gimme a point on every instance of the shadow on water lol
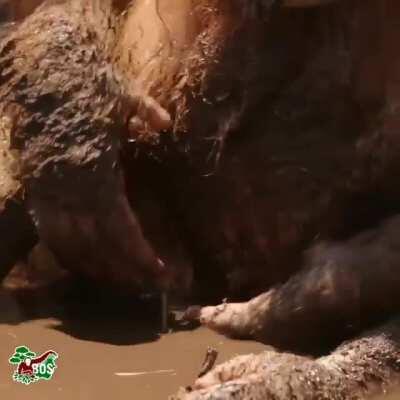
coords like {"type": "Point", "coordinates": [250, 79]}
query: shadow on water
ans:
{"type": "Point", "coordinates": [85, 312]}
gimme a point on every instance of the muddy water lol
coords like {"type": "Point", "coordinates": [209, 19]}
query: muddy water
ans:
{"type": "Point", "coordinates": [106, 350]}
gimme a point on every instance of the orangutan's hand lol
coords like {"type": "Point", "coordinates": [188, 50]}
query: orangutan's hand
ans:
{"type": "Point", "coordinates": [149, 117]}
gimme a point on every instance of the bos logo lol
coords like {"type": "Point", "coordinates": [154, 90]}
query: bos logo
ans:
{"type": "Point", "coordinates": [32, 368]}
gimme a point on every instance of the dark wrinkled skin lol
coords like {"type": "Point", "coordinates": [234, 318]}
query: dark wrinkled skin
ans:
{"type": "Point", "coordinates": [69, 109]}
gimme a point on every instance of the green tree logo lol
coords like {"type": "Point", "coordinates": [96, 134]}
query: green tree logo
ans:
{"type": "Point", "coordinates": [30, 368]}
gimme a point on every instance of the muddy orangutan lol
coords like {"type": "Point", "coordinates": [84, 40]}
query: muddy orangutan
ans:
{"type": "Point", "coordinates": [251, 146]}
{"type": "Point", "coordinates": [65, 140]}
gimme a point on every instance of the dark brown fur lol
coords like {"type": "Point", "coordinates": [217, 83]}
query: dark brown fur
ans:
{"type": "Point", "coordinates": [68, 110]}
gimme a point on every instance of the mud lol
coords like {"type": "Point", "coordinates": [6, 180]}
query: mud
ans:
{"type": "Point", "coordinates": [105, 350]}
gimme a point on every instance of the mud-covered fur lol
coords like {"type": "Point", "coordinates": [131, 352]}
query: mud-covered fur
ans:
{"type": "Point", "coordinates": [356, 370]}
{"type": "Point", "coordinates": [343, 287]}
{"type": "Point", "coordinates": [68, 108]}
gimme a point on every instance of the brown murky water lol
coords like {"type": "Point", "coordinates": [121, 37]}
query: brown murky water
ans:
{"type": "Point", "coordinates": [106, 350]}
{"type": "Point", "coordinates": [109, 346]}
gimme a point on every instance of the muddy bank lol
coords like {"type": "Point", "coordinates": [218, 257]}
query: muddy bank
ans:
{"type": "Point", "coordinates": [108, 346]}
{"type": "Point", "coordinates": [87, 369]}
{"type": "Point", "coordinates": [108, 353]}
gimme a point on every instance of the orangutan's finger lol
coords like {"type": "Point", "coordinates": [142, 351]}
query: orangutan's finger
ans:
{"type": "Point", "coordinates": [157, 117]}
